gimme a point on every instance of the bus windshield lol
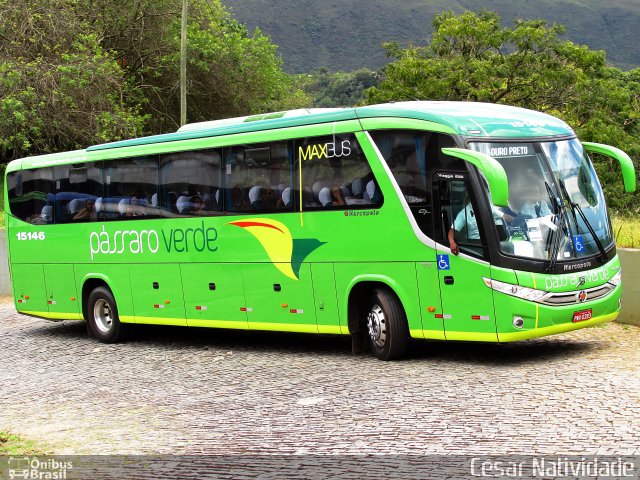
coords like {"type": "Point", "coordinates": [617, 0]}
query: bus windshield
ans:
{"type": "Point", "coordinates": [556, 205]}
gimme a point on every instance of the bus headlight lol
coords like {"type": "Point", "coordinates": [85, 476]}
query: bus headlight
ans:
{"type": "Point", "coordinates": [616, 279]}
{"type": "Point", "coordinates": [525, 293]}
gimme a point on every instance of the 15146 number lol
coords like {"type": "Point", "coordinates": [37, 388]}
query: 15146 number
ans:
{"type": "Point", "coordinates": [30, 235]}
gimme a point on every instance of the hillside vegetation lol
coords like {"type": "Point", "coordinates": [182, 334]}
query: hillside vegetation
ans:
{"type": "Point", "coordinates": [347, 35]}
{"type": "Point", "coordinates": [77, 72]}
{"type": "Point", "coordinates": [472, 57]}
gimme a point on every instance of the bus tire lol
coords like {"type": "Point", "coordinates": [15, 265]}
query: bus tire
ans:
{"type": "Point", "coordinates": [386, 325]}
{"type": "Point", "coordinates": [103, 319]}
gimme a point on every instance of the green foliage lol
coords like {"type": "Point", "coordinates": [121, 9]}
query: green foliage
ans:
{"type": "Point", "coordinates": [79, 72]}
{"type": "Point", "coordinates": [472, 57]}
{"type": "Point", "coordinates": [340, 89]}
{"type": "Point", "coordinates": [13, 445]}
{"type": "Point", "coordinates": [626, 230]}
{"type": "Point", "coordinates": [230, 72]}
{"type": "Point", "coordinates": [59, 89]}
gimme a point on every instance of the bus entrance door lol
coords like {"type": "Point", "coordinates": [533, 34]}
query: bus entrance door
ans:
{"type": "Point", "coordinates": [467, 304]}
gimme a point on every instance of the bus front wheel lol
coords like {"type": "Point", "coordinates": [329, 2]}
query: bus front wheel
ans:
{"type": "Point", "coordinates": [386, 325]}
{"type": "Point", "coordinates": [103, 316]}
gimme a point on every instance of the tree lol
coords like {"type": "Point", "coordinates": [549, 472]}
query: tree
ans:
{"type": "Point", "coordinates": [340, 89]}
{"type": "Point", "coordinates": [59, 89]}
{"type": "Point", "coordinates": [230, 72]}
{"type": "Point", "coordinates": [472, 57]}
{"type": "Point", "coordinates": [80, 72]}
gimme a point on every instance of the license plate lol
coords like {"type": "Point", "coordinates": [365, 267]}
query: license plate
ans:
{"type": "Point", "coordinates": [582, 315]}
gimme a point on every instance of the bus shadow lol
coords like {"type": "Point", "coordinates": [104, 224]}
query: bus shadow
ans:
{"type": "Point", "coordinates": [169, 337]}
{"type": "Point", "coordinates": [517, 353]}
{"type": "Point", "coordinates": [243, 340]}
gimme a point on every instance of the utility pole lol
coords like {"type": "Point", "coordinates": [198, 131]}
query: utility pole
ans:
{"type": "Point", "coordinates": [183, 64]}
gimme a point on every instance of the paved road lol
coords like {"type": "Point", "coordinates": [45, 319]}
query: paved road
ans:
{"type": "Point", "coordinates": [223, 392]}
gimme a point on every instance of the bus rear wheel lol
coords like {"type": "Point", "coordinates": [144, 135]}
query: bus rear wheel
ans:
{"type": "Point", "coordinates": [103, 316]}
{"type": "Point", "coordinates": [386, 325]}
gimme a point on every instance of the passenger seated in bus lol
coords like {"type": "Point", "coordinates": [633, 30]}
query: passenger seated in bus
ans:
{"type": "Point", "coordinates": [268, 196]}
{"type": "Point", "coordinates": [534, 206]}
{"type": "Point", "coordinates": [238, 201]}
{"type": "Point", "coordinates": [75, 205]}
{"type": "Point", "coordinates": [197, 206]}
{"type": "Point", "coordinates": [329, 197]}
{"type": "Point", "coordinates": [44, 216]}
{"type": "Point", "coordinates": [136, 206]}
{"type": "Point", "coordinates": [262, 198]}
{"type": "Point", "coordinates": [88, 212]}
{"type": "Point", "coordinates": [338, 195]}
{"type": "Point", "coordinates": [208, 202]}
{"type": "Point", "coordinates": [173, 200]}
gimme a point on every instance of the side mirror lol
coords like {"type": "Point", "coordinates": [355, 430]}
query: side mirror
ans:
{"type": "Point", "coordinates": [628, 170]}
{"type": "Point", "coordinates": [492, 170]}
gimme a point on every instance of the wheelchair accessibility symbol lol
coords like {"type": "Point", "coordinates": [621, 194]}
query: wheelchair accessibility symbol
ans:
{"type": "Point", "coordinates": [443, 262]}
{"type": "Point", "coordinates": [578, 243]}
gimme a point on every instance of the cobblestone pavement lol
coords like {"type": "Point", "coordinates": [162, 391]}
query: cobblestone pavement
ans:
{"type": "Point", "coordinates": [200, 391]}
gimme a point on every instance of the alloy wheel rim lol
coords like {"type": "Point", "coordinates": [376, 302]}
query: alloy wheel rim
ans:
{"type": "Point", "coordinates": [377, 325]}
{"type": "Point", "coordinates": [103, 315]}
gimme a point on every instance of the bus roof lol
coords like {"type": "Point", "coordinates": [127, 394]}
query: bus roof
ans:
{"type": "Point", "coordinates": [463, 118]}
{"type": "Point", "coordinates": [471, 119]}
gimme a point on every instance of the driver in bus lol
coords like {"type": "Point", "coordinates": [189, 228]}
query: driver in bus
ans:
{"type": "Point", "coordinates": [533, 207]}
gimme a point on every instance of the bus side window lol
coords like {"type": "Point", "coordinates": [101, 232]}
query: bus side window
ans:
{"type": "Point", "coordinates": [78, 186]}
{"type": "Point", "coordinates": [335, 174]}
{"type": "Point", "coordinates": [190, 184]}
{"type": "Point", "coordinates": [258, 178]}
{"type": "Point", "coordinates": [129, 184]}
{"type": "Point", "coordinates": [460, 217]}
{"type": "Point", "coordinates": [31, 195]}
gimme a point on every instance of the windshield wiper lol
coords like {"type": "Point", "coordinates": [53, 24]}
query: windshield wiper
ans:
{"type": "Point", "coordinates": [558, 221]}
{"type": "Point", "coordinates": [574, 207]}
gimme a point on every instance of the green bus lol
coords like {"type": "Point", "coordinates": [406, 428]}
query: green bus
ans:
{"type": "Point", "coordinates": [428, 220]}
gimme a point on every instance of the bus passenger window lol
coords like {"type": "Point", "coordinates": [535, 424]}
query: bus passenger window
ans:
{"type": "Point", "coordinates": [31, 195]}
{"type": "Point", "coordinates": [257, 176]}
{"type": "Point", "coordinates": [78, 186]}
{"type": "Point", "coordinates": [129, 184]}
{"type": "Point", "coordinates": [335, 174]}
{"type": "Point", "coordinates": [190, 184]}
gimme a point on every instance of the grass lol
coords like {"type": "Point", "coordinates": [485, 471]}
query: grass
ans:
{"type": "Point", "coordinates": [13, 445]}
{"type": "Point", "coordinates": [626, 231]}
